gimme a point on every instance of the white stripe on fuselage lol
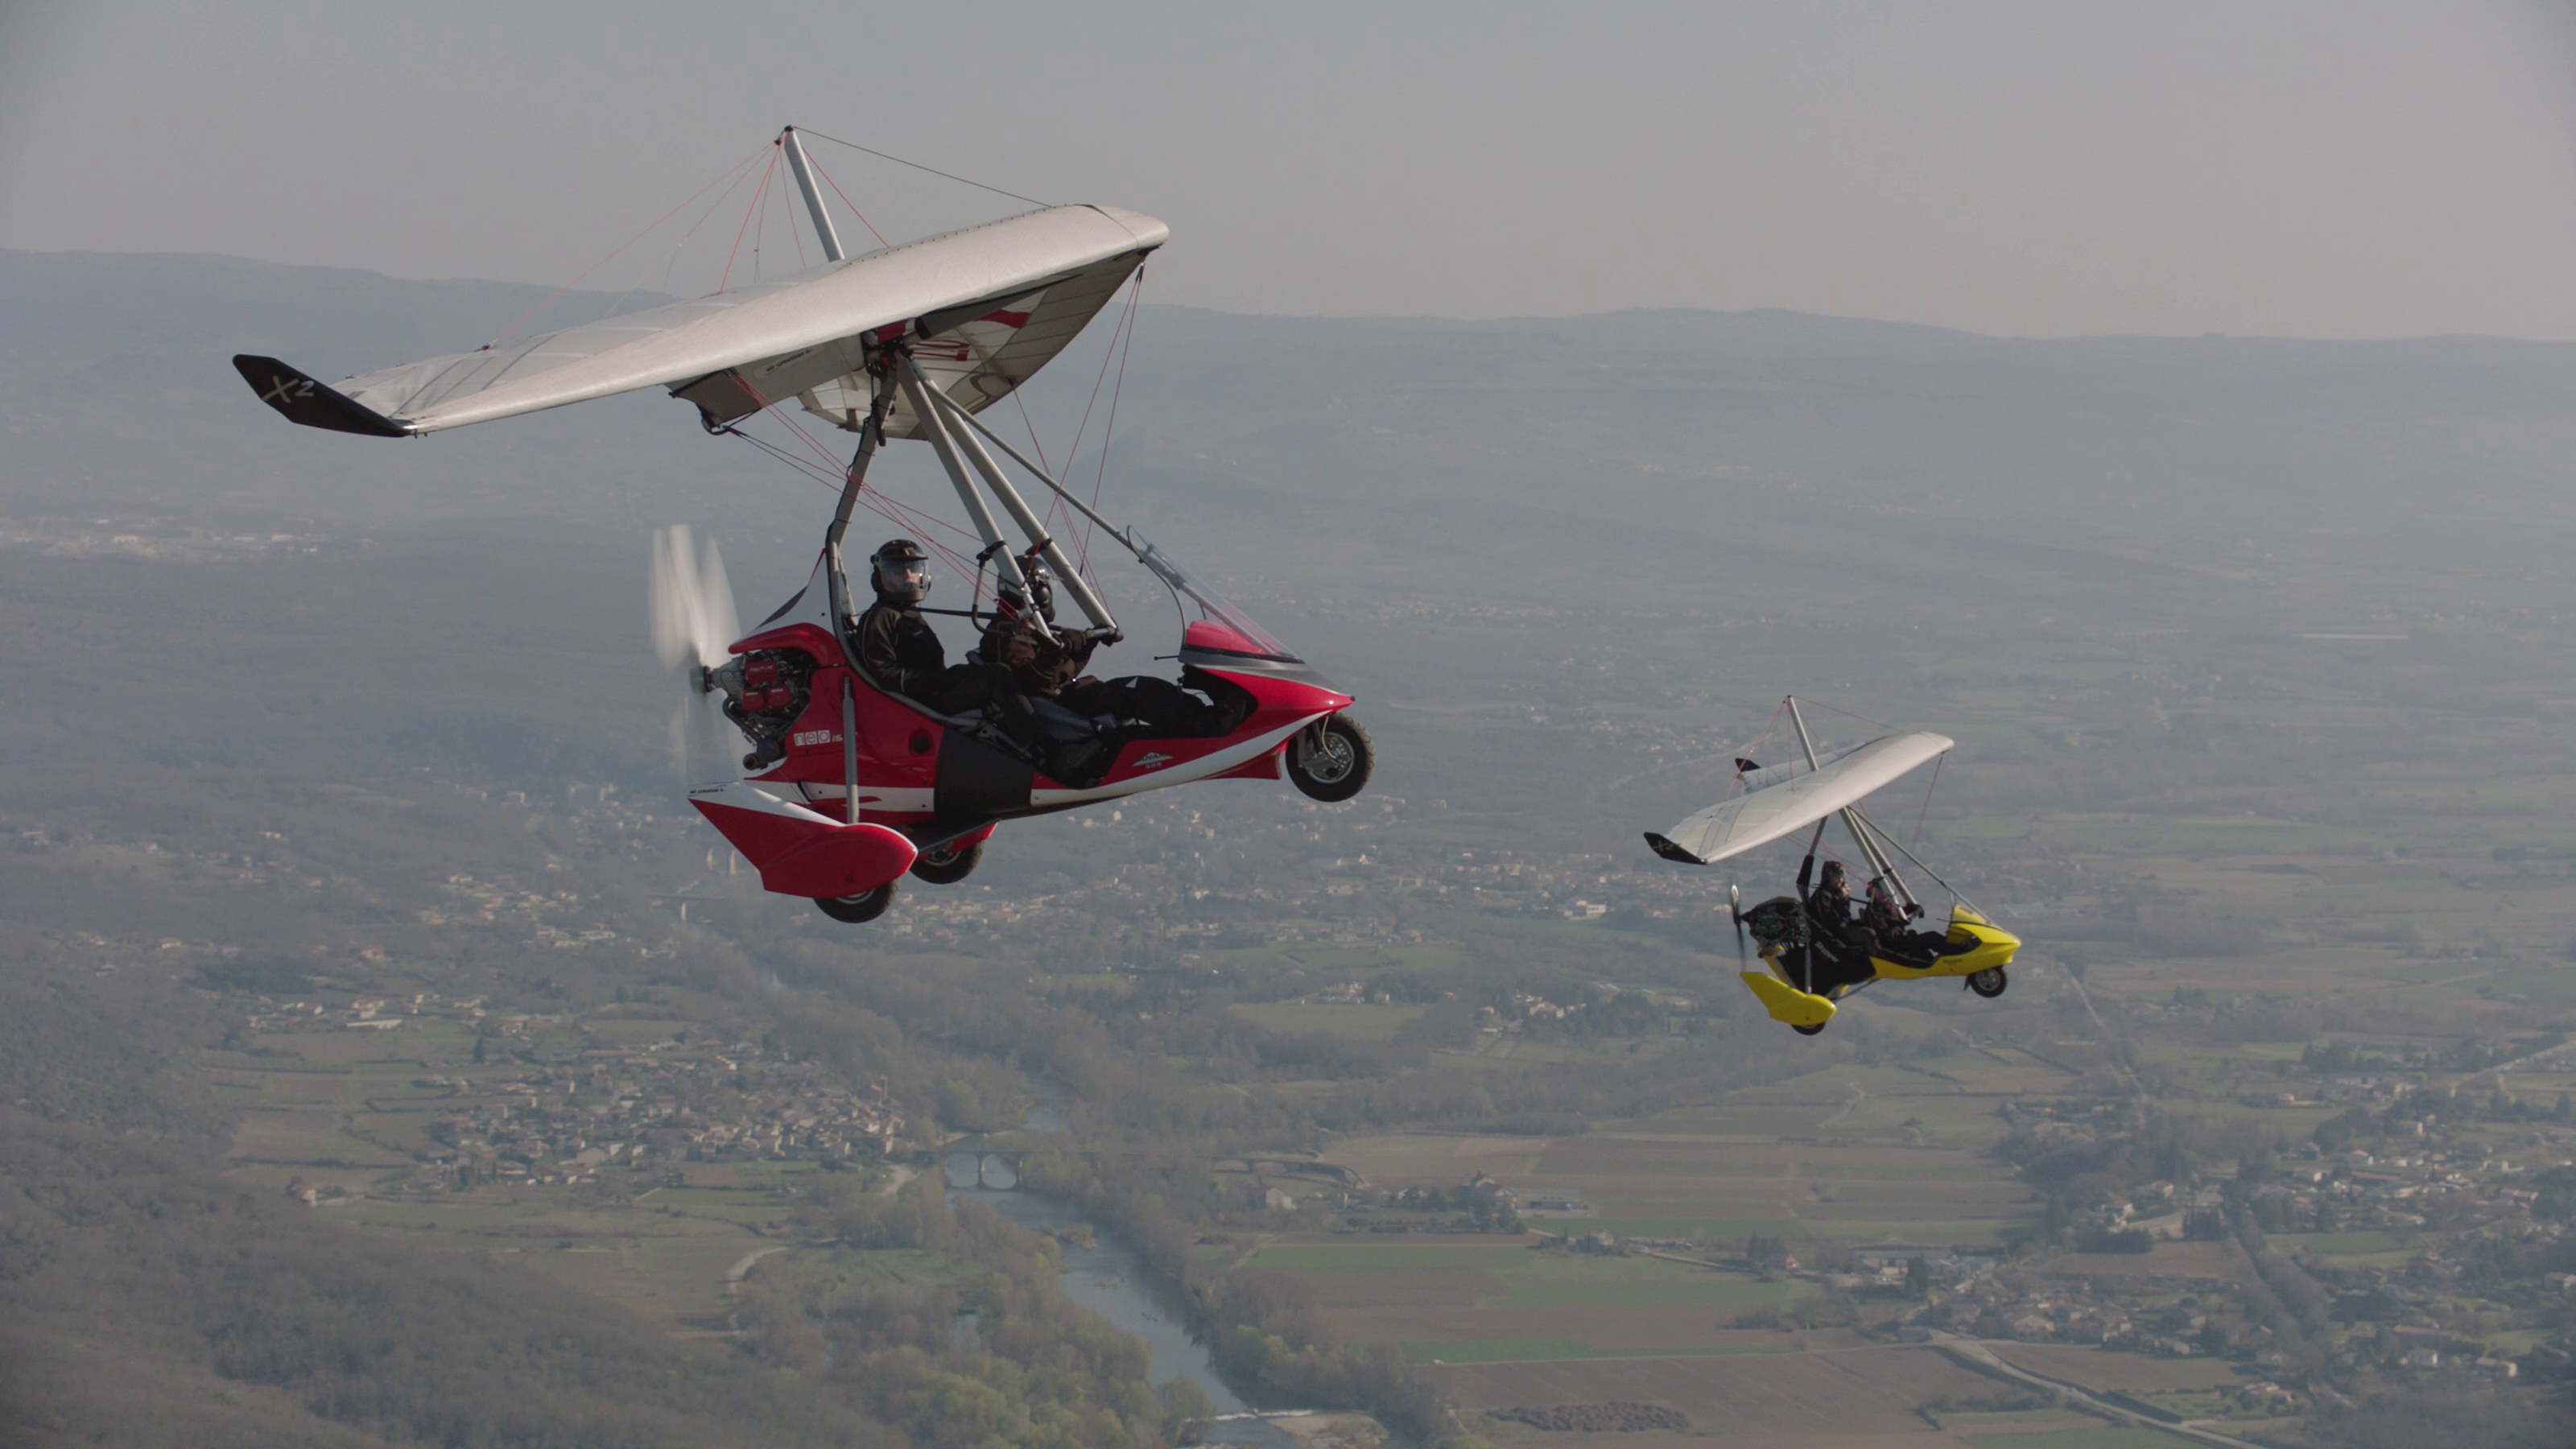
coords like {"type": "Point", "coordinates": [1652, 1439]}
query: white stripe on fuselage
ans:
{"type": "Point", "coordinates": [1198, 769]}
{"type": "Point", "coordinates": [923, 802]}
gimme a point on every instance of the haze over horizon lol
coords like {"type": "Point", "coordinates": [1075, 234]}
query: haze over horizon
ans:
{"type": "Point", "coordinates": [2300, 170]}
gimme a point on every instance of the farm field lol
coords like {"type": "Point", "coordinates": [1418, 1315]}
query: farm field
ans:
{"type": "Point", "coordinates": [1355, 1022]}
{"type": "Point", "coordinates": [1829, 1395]}
{"type": "Point", "coordinates": [1694, 1174]}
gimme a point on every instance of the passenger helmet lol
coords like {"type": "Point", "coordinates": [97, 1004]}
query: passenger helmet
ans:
{"type": "Point", "coordinates": [900, 571]}
{"type": "Point", "coordinates": [1041, 587]}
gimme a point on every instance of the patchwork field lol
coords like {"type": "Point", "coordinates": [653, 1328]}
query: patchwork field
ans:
{"type": "Point", "coordinates": [1827, 1397]}
{"type": "Point", "coordinates": [1354, 1022]}
{"type": "Point", "coordinates": [1717, 1175]}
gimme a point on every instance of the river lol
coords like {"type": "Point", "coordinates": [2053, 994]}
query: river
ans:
{"type": "Point", "coordinates": [1108, 1279]}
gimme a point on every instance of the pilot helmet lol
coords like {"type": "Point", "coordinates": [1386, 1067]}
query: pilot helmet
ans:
{"type": "Point", "coordinates": [900, 571]}
{"type": "Point", "coordinates": [1832, 877]}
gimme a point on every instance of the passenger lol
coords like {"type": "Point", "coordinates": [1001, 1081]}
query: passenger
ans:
{"type": "Point", "coordinates": [1882, 917]}
{"type": "Point", "coordinates": [1139, 706]}
{"type": "Point", "coordinates": [1888, 926]}
{"type": "Point", "coordinates": [1042, 667]}
{"type": "Point", "coordinates": [1150, 708]}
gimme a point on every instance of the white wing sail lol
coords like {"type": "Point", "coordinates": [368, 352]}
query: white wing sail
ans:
{"type": "Point", "coordinates": [1770, 811]}
{"type": "Point", "coordinates": [983, 308]}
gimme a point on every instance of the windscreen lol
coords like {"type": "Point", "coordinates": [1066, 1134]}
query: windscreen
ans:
{"type": "Point", "coordinates": [1219, 625]}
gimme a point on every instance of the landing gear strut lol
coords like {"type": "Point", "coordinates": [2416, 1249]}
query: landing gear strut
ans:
{"type": "Point", "coordinates": [947, 864]}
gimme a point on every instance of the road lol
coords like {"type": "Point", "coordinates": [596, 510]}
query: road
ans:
{"type": "Point", "coordinates": [1976, 1355]}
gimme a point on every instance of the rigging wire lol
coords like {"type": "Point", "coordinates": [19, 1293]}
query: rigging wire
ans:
{"type": "Point", "coordinates": [1847, 714]}
{"type": "Point", "coordinates": [833, 474]}
{"type": "Point", "coordinates": [793, 234]}
{"type": "Point", "coordinates": [917, 166]}
{"type": "Point", "coordinates": [1082, 546]}
{"type": "Point", "coordinates": [1110, 430]}
{"type": "Point", "coordinates": [765, 173]}
{"type": "Point", "coordinates": [846, 201]}
{"type": "Point", "coordinates": [1926, 812]}
{"type": "Point", "coordinates": [731, 171]}
{"type": "Point", "coordinates": [760, 229]}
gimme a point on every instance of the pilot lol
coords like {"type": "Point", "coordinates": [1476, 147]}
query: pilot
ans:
{"type": "Point", "coordinates": [1840, 947]}
{"type": "Point", "coordinates": [900, 653]}
{"type": "Point", "coordinates": [896, 645]}
{"type": "Point", "coordinates": [1829, 903]}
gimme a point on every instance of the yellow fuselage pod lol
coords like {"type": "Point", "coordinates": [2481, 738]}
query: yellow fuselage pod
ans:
{"type": "Point", "coordinates": [1986, 945]}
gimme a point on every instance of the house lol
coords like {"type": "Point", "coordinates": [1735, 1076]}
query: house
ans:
{"type": "Point", "coordinates": [2422, 1358]}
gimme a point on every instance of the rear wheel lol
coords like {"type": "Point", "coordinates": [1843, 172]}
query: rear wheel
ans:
{"type": "Point", "coordinates": [1989, 983]}
{"type": "Point", "coordinates": [947, 864]}
{"type": "Point", "coordinates": [854, 910]}
{"type": "Point", "coordinates": [1331, 762]}
{"type": "Point", "coordinates": [1807, 1030]}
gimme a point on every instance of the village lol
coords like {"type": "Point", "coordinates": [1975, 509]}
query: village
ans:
{"type": "Point", "coordinates": [541, 1105]}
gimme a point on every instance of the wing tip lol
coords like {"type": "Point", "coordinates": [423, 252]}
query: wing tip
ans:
{"type": "Point", "coordinates": [1669, 851]}
{"type": "Point", "coordinates": [299, 399]}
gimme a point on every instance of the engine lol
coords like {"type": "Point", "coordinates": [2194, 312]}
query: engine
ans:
{"type": "Point", "coordinates": [764, 691]}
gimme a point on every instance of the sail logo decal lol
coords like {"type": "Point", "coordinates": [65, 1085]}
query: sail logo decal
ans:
{"type": "Point", "coordinates": [284, 390]}
{"type": "Point", "coordinates": [803, 738]}
{"type": "Point", "coordinates": [1152, 760]}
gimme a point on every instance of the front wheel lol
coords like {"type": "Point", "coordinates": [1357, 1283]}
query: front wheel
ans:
{"type": "Point", "coordinates": [1331, 762]}
{"type": "Point", "coordinates": [855, 910]}
{"type": "Point", "coordinates": [1807, 1030]}
{"type": "Point", "coordinates": [1989, 983]}
{"type": "Point", "coordinates": [947, 864]}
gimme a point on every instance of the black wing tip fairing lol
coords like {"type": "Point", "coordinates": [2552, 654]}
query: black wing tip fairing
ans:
{"type": "Point", "coordinates": [1670, 851]}
{"type": "Point", "coordinates": [299, 399]}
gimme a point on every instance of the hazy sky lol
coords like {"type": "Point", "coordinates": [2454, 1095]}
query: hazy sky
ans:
{"type": "Point", "coordinates": [2322, 169]}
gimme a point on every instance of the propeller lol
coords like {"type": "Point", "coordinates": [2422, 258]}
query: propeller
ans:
{"type": "Point", "coordinates": [693, 628]}
{"type": "Point", "coordinates": [1735, 908]}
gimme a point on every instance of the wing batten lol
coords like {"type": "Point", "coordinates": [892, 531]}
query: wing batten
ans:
{"type": "Point", "coordinates": [1803, 797]}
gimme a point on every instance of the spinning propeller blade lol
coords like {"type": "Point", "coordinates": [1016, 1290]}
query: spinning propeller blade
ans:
{"type": "Point", "coordinates": [1734, 907]}
{"type": "Point", "coordinates": [693, 628]}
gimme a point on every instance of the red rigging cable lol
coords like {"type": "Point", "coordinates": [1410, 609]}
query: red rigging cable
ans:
{"type": "Point", "coordinates": [1118, 389]}
{"type": "Point", "coordinates": [1082, 545]}
{"type": "Point", "coordinates": [852, 205]}
{"type": "Point", "coordinates": [765, 173]}
{"type": "Point", "coordinates": [730, 171]}
{"type": "Point", "coordinates": [834, 475]}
